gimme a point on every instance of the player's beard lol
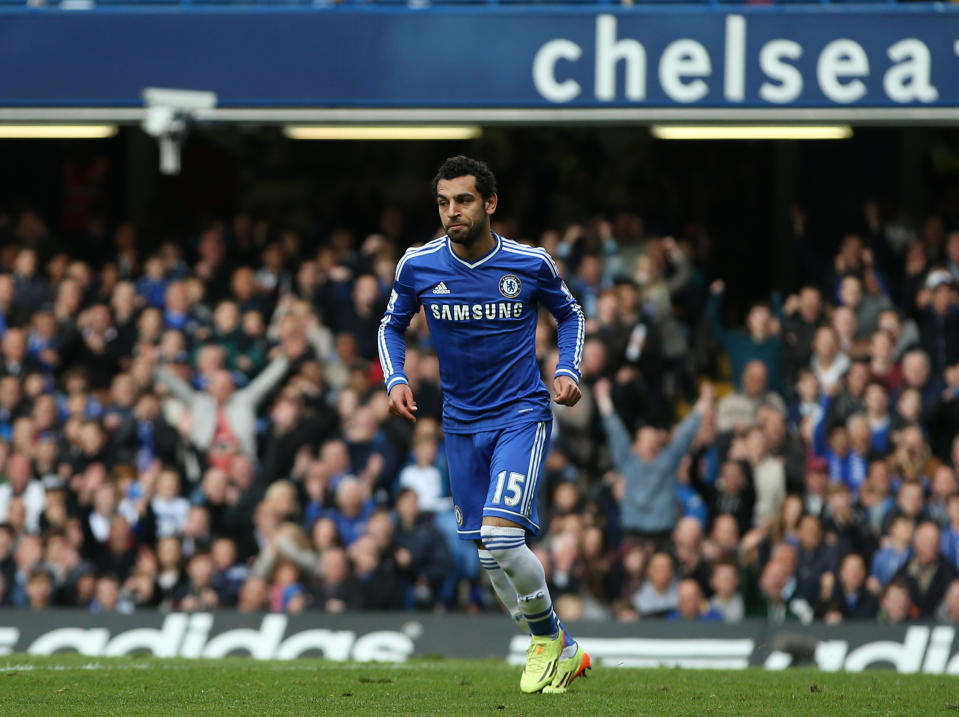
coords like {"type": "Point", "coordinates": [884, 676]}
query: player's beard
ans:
{"type": "Point", "coordinates": [469, 237]}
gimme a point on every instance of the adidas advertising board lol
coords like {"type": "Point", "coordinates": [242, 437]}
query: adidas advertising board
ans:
{"type": "Point", "coordinates": [931, 649]}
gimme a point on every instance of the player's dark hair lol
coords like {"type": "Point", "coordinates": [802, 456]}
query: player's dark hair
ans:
{"type": "Point", "coordinates": [460, 166]}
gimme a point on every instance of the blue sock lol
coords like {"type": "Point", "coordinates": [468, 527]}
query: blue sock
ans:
{"type": "Point", "coordinates": [543, 622]}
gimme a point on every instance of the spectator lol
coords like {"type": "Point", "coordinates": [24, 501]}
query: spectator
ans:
{"type": "Point", "coordinates": [776, 583]}
{"type": "Point", "coordinates": [726, 600]}
{"type": "Point", "coordinates": [424, 478]}
{"type": "Point", "coordinates": [353, 509]}
{"type": "Point", "coordinates": [845, 525]}
{"type": "Point", "coordinates": [938, 320]}
{"type": "Point", "coordinates": [761, 340]}
{"type": "Point", "coordinates": [828, 363]}
{"type": "Point", "coordinates": [659, 593]}
{"type": "Point", "coordinates": [927, 574]}
{"type": "Point", "coordinates": [198, 593]}
{"type": "Point", "coordinates": [731, 494]}
{"type": "Point", "coordinates": [39, 589]}
{"type": "Point", "coordinates": [648, 466]}
{"type": "Point", "coordinates": [336, 591]}
{"type": "Point", "coordinates": [814, 558]}
{"type": "Point", "coordinates": [866, 305]}
{"type": "Point", "coordinates": [692, 606]}
{"type": "Point", "coordinates": [848, 598]}
{"type": "Point", "coordinates": [895, 552]}
{"type": "Point", "coordinates": [169, 509]}
{"type": "Point", "coordinates": [688, 545]}
{"type": "Point", "coordinates": [804, 314]}
{"type": "Point", "coordinates": [737, 411]}
{"type": "Point", "coordinates": [223, 420]}
{"type": "Point", "coordinates": [254, 595]}
{"type": "Point", "coordinates": [21, 484]}
{"type": "Point", "coordinates": [896, 604]}
{"type": "Point", "coordinates": [427, 557]}
{"type": "Point", "coordinates": [948, 610]}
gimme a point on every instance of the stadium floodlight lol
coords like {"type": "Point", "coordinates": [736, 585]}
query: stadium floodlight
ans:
{"type": "Point", "coordinates": [57, 131]}
{"type": "Point", "coordinates": [720, 131]}
{"type": "Point", "coordinates": [386, 132]}
{"type": "Point", "coordinates": [169, 115]}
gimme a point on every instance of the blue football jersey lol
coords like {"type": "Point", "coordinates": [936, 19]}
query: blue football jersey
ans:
{"type": "Point", "coordinates": [482, 317]}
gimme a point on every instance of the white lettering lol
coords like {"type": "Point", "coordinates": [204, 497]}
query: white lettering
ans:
{"type": "Point", "coordinates": [544, 70]}
{"type": "Point", "coordinates": [86, 642]}
{"type": "Point", "coordinates": [330, 644]}
{"type": "Point", "coordinates": [937, 654]}
{"type": "Point", "coordinates": [842, 58]}
{"type": "Point", "coordinates": [609, 51]}
{"type": "Point", "coordinates": [383, 646]}
{"type": "Point", "coordinates": [445, 313]}
{"type": "Point", "coordinates": [477, 311]}
{"type": "Point", "coordinates": [491, 311]}
{"type": "Point", "coordinates": [260, 644]}
{"type": "Point", "coordinates": [196, 634]}
{"type": "Point", "coordinates": [830, 654]}
{"type": "Point", "coordinates": [681, 59]}
{"type": "Point", "coordinates": [505, 311]}
{"type": "Point", "coordinates": [8, 639]}
{"type": "Point", "coordinates": [909, 79]}
{"type": "Point", "coordinates": [461, 312]}
{"type": "Point", "coordinates": [789, 79]}
{"type": "Point", "coordinates": [435, 308]}
{"type": "Point", "coordinates": [517, 310]}
{"type": "Point", "coordinates": [735, 68]}
{"type": "Point", "coordinates": [162, 643]}
{"type": "Point", "coordinates": [904, 656]}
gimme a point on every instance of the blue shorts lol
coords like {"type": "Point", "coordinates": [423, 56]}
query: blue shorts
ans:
{"type": "Point", "coordinates": [496, 473]}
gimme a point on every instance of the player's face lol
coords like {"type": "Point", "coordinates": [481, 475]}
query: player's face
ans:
{"type": "Point", "coordinates": [463, 211]}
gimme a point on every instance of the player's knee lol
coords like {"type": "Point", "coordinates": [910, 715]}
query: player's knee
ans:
{"type": "Point", "coordinates": [501, 540]}
{"type": "Point", "coordinates": [496, 522]}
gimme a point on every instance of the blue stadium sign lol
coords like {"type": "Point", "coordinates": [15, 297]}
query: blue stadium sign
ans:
{"type": "Point", "coordinates": [554, 61]}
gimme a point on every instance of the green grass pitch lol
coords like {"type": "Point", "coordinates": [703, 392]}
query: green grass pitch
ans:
{"type": "Point", "coordinates": [75, 685]}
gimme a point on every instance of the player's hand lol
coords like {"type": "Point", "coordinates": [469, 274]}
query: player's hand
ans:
{"type": "Point", "coordinates": [567, 392]}
{"type": "Point", "coordinates": [402, 403]}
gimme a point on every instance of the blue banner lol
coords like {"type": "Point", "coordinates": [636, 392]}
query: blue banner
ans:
{"type": "Point", "coordinates": [481, 57]}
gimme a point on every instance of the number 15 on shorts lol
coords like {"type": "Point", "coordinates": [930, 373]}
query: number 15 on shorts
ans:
{"type": "Point", "coordinates": [512, 486]}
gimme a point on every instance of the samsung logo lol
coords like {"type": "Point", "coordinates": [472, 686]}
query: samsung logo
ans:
{"type": "Point", "coordinates": [477, 312]}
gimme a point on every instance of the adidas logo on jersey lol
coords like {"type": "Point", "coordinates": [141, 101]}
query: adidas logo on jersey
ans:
{"type": "Point", "coordinates": [441, 289]}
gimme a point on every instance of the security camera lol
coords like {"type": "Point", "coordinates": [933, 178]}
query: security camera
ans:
{"type": "Point", "coordinates": [169, 115]}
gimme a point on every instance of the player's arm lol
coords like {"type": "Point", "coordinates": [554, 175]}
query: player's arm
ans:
{"type": "Point", "coordinates": [555, 296]}
{"type": "Point", "coordinates": [391, 342]}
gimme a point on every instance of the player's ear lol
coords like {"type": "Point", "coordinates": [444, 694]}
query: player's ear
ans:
{"type": "Point", "coordinates": [491, 202]}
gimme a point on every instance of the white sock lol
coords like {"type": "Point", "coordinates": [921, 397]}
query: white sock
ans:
{"type": "Point", "coordinates": [502, 585]}
{"type": "Point", "coordinates": [507, 546]}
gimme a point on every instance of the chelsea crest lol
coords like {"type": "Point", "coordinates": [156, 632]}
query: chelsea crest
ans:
{"type": "Point", "coordinates": [510, 286]}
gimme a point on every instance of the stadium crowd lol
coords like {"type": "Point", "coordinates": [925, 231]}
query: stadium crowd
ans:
{"type": "Point", "coordinates": [201, 425]}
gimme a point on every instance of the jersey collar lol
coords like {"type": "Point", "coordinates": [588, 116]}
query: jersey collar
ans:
{"type": "Point", "coordinates": [490, 255]}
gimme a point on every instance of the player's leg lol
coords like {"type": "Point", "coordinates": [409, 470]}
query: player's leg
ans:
{"type": "Point", "coordinates": [502, 585]}
{"type": "Point", "coordinates": [468, 459]}
{"type": "Point", "coordinates": [510, 512]}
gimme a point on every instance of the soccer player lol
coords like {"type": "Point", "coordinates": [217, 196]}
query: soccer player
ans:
{"type": "Point", "coordinates": [481, 293]}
